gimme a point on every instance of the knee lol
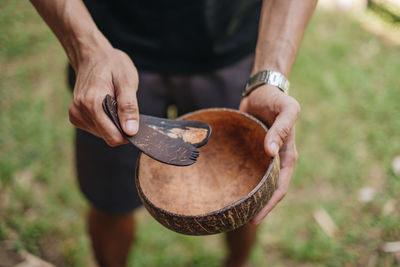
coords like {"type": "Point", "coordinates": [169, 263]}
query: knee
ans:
{"type": "Point", "coordinates": [104, 216]}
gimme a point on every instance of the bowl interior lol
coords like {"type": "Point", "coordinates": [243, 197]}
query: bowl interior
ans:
{"type": "Point", "coordinates": [229, 167]}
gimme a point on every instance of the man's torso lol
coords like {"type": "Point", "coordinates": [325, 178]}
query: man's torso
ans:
{"type": "Point", "coordinates": [179, 36]}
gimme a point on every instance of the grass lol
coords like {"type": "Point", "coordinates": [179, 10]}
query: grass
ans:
{"type": "Point", "coordinates": [346, 80]}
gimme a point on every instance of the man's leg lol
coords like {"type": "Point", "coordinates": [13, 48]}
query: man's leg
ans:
{"type": "Point", "coordinates": [240, 243]}
{"type": "Point", "coordinates": [221, 88]}
{"type": "Point", "coordinates": [112, 236]}
{"type": "Point", "coordinates": [106, 178]}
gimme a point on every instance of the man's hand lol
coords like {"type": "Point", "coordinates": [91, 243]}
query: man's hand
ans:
{"type": "Point", "coordinates": [100, 70]}
{"type": "Point", "coordinates": [282, 25]}
{"type": "Point", "coordinates": [280, 112]}
{"type": "Point", "coordinates": [108, 71]}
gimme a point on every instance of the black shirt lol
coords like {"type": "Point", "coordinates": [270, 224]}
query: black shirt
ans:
{"type": "Point", "coordinates": [179, 36]}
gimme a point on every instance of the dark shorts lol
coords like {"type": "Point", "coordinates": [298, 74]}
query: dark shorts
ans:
{"type": "Point", "coordinates": [106, 174]}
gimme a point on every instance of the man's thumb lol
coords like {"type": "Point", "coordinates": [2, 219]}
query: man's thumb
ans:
{"type": "Point", "coordinates": [128, 111]}
{"type": "Point", "coordinates": [276, 137]}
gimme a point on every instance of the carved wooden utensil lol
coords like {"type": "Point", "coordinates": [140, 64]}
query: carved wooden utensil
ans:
{"type": "Point", "coordinates": [168, 141]}
{"type": "Point", "coordinates": [230, 183]}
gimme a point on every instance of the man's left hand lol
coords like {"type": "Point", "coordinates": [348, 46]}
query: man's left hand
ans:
{"type": "Point", "coordinates": [279, 111]}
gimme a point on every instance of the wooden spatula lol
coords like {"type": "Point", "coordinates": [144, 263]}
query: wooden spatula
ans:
{"type": "Point", "coordinates": [169, 141]}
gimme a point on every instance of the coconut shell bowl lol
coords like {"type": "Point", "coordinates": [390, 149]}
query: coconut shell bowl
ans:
{"type": "Point", "coordinates": [230, 183]}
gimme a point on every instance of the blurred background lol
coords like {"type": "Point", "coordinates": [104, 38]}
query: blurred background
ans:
{"type": "Point", "coordinates": [343, 206]}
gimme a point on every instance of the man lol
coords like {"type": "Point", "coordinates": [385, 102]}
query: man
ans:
{"type": "Point", "coordinates": [193, 54]}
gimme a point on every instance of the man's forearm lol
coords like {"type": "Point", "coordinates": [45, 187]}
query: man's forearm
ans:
{"type": "Point", "coordinates": [281, 28]}
{"type": "Point", "coordinates": [74, 27]}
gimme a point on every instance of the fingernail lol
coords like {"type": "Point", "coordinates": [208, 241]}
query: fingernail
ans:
{"type": "Point", "coordinates": [274, 148]}
{"type": "Point", "coordinates": [131, 126]}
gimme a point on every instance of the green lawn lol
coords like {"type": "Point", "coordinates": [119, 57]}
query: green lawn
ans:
{"type": "Point", "coordinates": [347, 82]}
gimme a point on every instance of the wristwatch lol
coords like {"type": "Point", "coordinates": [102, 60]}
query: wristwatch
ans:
{"type": "Point", "coordinates": [274, 78]}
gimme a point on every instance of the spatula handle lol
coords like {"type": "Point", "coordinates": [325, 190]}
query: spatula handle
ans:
{"type": "Point", "coordinates": [196, 133]}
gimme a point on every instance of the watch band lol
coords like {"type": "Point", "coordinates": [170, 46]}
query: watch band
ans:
{"type": "Point", "coordinates": [274, 78]}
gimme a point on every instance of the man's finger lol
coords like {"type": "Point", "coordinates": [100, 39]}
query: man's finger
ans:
{"type": "Point", "coordinates": [288, 158]}
{"type": "Point", "coordinates": [280, 192]}
{"type": "Point", "coordinates": [280, 129]}
{"type": "Point", "coordinates": [128, 111]}
{"type": "Point", "coordinates": [109, 132]}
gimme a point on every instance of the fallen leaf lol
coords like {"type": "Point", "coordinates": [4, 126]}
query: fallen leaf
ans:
{"type": "Point", "coordinates": [32, 261]}
{"type": "Point", "coordinates": [389, 207]}
{"type": "Point", "coordinates": [325, 221]}
{"type": "Point", "coordinates": [396, 165]}
{"type": "Point", "coordinates": [391, 247]}
{"type": "Point", "coordinates": [366, 194]}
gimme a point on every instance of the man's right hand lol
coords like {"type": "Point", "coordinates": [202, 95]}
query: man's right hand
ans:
{"type": "Point", "coordinates": [106, 72]}
{"type": "Point", "coordinates": [100, 70]}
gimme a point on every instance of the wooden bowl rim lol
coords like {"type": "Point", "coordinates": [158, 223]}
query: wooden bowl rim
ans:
{"type": "Point", "coordinates": [219, 211]}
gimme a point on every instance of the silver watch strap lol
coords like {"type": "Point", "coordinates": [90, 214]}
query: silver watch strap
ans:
{"type": "Point", "coordinates": [274, 78]}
